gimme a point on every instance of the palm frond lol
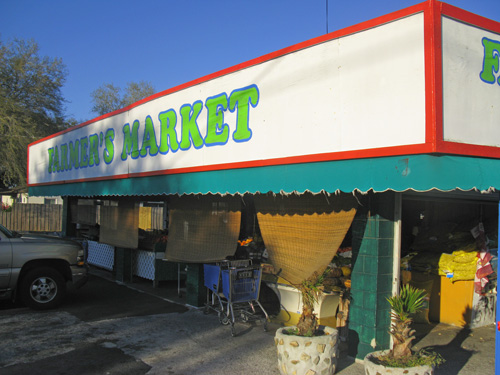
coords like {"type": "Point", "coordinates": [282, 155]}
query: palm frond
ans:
{"type": "Point", "coordinates": [409, 301]}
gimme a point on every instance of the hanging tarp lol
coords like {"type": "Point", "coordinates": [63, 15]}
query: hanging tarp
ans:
{"type": "Point", "coordinates": [203, 229]}
{"type": "Point", "coordinates": [83, 212]}
{"type": "Point", "coordinates": [302, 233]}
{"type": "Point", "coordinates": [119, 223]}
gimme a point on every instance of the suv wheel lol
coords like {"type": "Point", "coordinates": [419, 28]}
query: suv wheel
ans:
{"type": "Point", "coordinates": [42, 288]}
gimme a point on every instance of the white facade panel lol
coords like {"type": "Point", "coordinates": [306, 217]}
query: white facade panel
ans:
{"type": "Point", "coordinates": [471, 90]}
{"type": "Point", "coordinates": [361, 91]}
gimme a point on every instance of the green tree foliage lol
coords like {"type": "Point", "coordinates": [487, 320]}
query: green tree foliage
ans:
{"type": "Point", "coordinates": [136, 91]}
{"type": "Point", "coordinates": [108, 97]}
{"type": "Point", "coordinates": [31, 104]}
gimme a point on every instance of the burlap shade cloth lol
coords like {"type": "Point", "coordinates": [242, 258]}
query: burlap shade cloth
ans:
{"type": "Point", "coordinates": [83, 212]}
{"type": "Point", "coordinates": [119, 224]}
{"type": "Point", "coordinates": [203, 229]}
{"type": "Point", "coordinates": [302, 233]}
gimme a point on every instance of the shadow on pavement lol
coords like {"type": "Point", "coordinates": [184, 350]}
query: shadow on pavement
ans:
{"type": "Point", "coordinates": [465, 350]}
{"type": "Point", "coordinates": [86, 360]}
{"type": "Point", "coordinates": [103, 299]}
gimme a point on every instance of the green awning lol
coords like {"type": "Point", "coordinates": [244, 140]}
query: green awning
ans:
{"type": "Point", "coordinates": [398, 173]}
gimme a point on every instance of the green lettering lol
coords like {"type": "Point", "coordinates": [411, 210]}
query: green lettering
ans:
{"type": "Point", "coordinates": [190, 131]}
{"type": "Point", "coordinates": [74, 154]}
{"type": "Point", "coordinates": [64, 157]}
{"type": "Point", "coordinates": [217, 130]}
{"type": "Point", "coordinates": [149, 139]}
{"type": "Point", "coordinates": [131, 141]}
{"type": "Point", "coordinates": [490, 60]}
{"type": "Point", "coordinates": [57, 167]}
{"type": "Point", "coordinates": [241, 100]}
{"type": "Point", "coordinates": [168, 136]}
{"type": "Point", "coordinates": [51, 159]}
{"type": "Point", "coordinates": [94, 150]}
{"type": "Point", "coordinates": [109, 148]}
{"type": "Point", "coordinates": [84, 152]}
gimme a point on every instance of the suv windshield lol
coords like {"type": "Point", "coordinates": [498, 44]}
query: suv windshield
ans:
{"type": "Point", "coordinates": [5, 231]}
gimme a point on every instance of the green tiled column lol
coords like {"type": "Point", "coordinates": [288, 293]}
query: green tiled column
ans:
{"type": "Point", "coordinates": [68, 228]}
{"type": "Point", "coordinates": [196, 292]}
{"type": "Point", "coordinates": [371, 279]}
{"type": "Point", "coordinates": [123, 264]}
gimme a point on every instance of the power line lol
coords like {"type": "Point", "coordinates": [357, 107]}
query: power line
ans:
{"type": "Point", "coordinates": [326, 16]}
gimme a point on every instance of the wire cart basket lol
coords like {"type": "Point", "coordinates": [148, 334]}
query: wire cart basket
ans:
{"type": "Point", "coordinates": [233, 289]}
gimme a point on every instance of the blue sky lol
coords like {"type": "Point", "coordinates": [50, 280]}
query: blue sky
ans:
{"type": "Point", "coordinates": [170, 42]}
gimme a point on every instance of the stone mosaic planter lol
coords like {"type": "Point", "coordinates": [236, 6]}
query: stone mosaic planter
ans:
{"type": "Point", "coordinates": [372, 368]}
{"type": "Point", "coordinates": [307, 355]}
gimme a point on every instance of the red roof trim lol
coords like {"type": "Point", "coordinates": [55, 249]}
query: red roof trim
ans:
{"type": "Point", "coordinates": [455, 148]}
{"type": "Point", "coordinates": [433, 74]}
{"type": "Point", "coordinates": [470, 18]}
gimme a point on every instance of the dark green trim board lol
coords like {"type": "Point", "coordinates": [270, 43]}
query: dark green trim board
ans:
{"type": "Point", "coordinates": [397, 173]}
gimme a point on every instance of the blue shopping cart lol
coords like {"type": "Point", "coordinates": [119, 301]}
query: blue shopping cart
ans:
{"type": "Point", "coordinates": [233, 288]}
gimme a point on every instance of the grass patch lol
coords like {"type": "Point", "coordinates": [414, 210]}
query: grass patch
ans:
{"type": "Point", "coordinates": [295, 332]}
{"type": "Point", "coordinates": [421, 358]}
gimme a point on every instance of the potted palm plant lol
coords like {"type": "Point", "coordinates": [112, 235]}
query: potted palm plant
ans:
{"type": "Point", "coordinates": [308, 348]}
{"type": "Point", "coordinates": [401, 359]}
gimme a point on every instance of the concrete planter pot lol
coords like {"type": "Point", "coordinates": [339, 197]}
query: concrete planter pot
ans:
{"type": "Point", "coordinates": [307, 355]}
{"type": "Point", "coordinates": [372, 368]}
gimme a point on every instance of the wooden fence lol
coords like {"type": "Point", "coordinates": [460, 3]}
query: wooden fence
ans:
{"type": "Point", "coordinates": [33, 218]}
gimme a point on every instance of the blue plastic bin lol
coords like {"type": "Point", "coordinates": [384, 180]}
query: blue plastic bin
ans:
{"type": "Point", "coordinates": [211, 277]}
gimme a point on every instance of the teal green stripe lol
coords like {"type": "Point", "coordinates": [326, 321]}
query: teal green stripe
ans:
{"type": "Point", "coordinates": [418, 172]}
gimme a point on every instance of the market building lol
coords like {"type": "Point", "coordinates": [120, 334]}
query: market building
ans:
{"type": "Point", "coordinates": [382, 138]}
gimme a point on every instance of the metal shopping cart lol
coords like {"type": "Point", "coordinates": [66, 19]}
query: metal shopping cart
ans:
{"type": "Point", "coordinates": [233, 289]}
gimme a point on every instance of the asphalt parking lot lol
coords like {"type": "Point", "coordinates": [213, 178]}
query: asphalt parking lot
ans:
{"type": "Point", "coordinates": [111, 328]}
{"type": "Point", "coordinates": [108, 328]}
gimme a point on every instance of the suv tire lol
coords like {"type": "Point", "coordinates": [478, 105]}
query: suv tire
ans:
{"type": "Point", "coordinates": [42, 288]}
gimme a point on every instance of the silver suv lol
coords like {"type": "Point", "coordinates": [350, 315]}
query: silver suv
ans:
{"type": "Point", "coordinates": [37, 268]}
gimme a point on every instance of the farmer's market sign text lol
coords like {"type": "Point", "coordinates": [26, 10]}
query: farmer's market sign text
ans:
{"type": "Point", "coordinates": [173, 131]}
